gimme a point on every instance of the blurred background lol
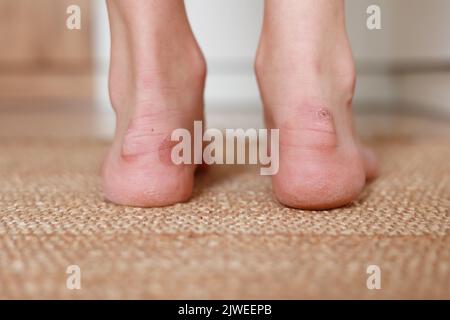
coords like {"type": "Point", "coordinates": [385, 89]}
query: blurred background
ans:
{"type": "Point", "coordinates": [44, 67]}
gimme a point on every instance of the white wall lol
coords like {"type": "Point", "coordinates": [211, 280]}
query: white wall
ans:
{"type": "Point", "coordinates": [415, 32]}
{"type": "Point", "coordinates": [407, 63]}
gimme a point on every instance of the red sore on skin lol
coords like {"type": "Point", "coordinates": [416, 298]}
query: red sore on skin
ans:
{"type": "Point", "coordinates": [165, 150]}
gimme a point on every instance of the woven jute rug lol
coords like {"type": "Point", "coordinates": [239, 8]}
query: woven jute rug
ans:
{"type": "Point", "coordinates": [232, 240]}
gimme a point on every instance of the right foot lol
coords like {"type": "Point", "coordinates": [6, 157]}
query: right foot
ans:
{"type": "Point", "coordinates": [156, 86]}
{"type": "Point", "coordinates": [306, 76]}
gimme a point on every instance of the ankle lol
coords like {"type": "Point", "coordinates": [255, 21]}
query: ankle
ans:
{"type": "Point", "coordinates": [150, 56]}
{"type": "Point", "coordinates": [182, 66]}
{"type": "Point", "coordinates": [323, 79]}
{"type": "Point", "coordinates": [151, 75]}
{"type": "Point", "coordinates": [306, 60]}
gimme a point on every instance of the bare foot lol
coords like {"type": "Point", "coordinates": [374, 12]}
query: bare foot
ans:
{"type": "Point", "coordinates": [156, 85]}
{"type": "Point", "coordinates": [306, 76]}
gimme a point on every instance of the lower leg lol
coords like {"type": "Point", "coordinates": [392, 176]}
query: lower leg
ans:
{"type": "Point", "coordinates": [156, 85]}
{"type": "Point", "coordinates": [306, 75]}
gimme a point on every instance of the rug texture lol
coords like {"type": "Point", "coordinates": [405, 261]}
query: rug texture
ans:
{"type": "Point", "coordinates": [231, 241]}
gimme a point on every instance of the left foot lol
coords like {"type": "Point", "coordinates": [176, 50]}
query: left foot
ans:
{"type": "Point", "coordinates": [156, 86]}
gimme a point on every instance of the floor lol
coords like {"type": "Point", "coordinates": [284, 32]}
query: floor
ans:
{"type": "Point", "coordinates": [232, 240]}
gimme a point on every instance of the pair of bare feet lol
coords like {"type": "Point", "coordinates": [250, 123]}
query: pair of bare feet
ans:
{"type": "Point", "coordinates": [305, 71]}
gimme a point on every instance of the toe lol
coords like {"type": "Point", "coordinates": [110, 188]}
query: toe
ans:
{"type": "Point", "coordinates": [370, 163]}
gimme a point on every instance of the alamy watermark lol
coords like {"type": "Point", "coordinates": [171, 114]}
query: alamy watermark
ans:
{"type": "Point", "coordinates": [373, 21]}
{"type": "Point", "coordinates": [73, 281]}
{"type": "Point", "coordinates": [374, 280]}
{"type": "Point", "coordinates": [234, 142]}
{"type": "Point", "coordinates": [73, 21]}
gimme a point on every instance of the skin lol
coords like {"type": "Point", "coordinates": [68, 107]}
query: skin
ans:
{"type": "Point", "coordinates": [156, 85]}
{"type": "Point", "coordinates": [306, 76]}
